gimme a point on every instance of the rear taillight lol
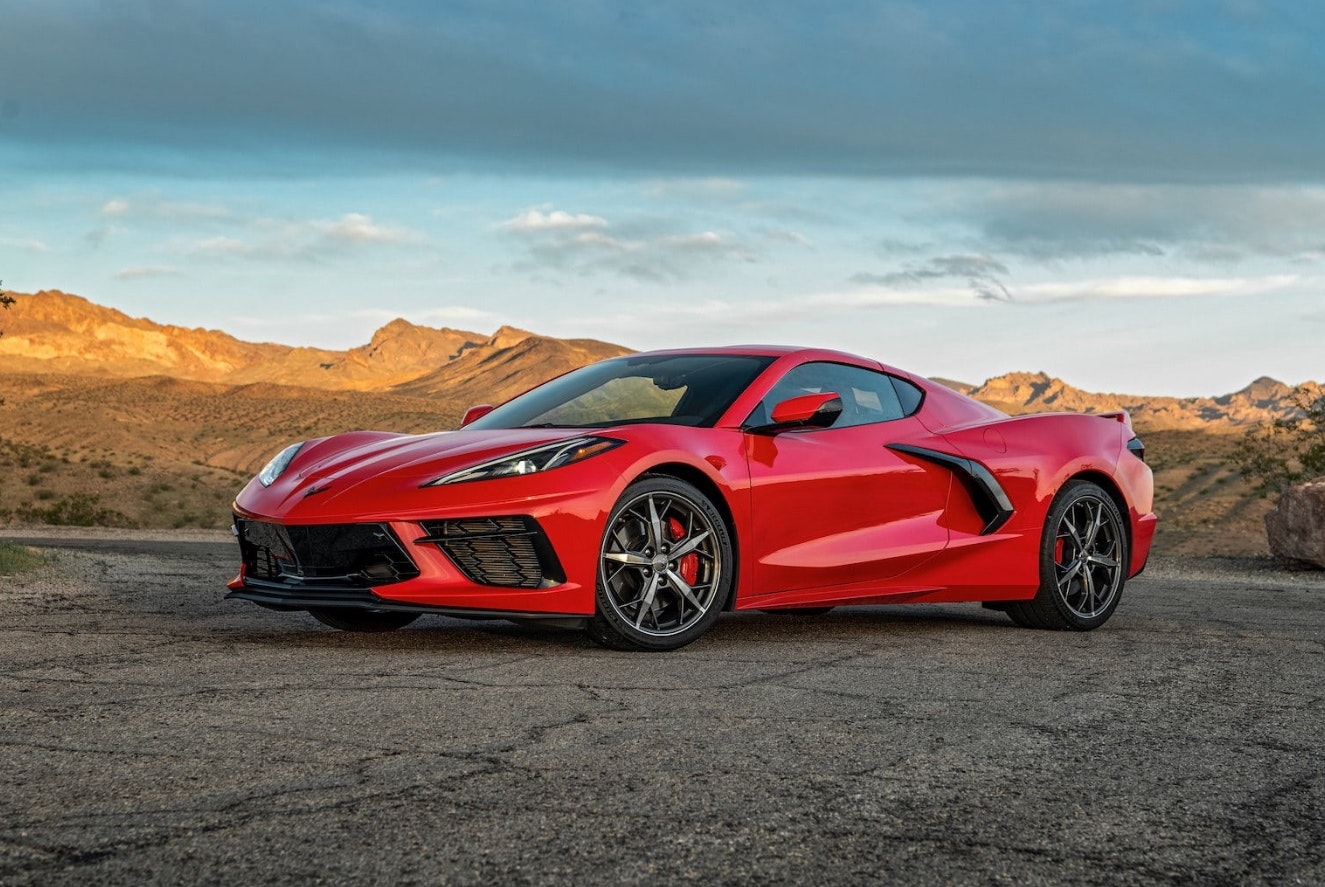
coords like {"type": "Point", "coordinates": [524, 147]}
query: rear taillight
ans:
{"type": "Point", "coordinates": [1136, 448]}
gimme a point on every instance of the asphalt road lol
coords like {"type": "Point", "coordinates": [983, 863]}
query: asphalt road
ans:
{"type": "Point", "coordinates": [153, 733]}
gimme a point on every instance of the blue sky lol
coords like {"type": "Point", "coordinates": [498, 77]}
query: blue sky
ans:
{"type": "Point", "coordinates": [1129, 195]}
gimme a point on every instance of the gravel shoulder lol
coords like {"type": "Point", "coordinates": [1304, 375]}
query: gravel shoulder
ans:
{"type": "Point", "coordinates": [157, 733]}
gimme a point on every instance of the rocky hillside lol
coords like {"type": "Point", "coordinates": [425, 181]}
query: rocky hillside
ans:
{"type": "Point", "coordinates": [54, 332]}
{"type": "Point", "coordinates": [51, 332]}
{"type": "Point", "coordinates": [1260, 402]}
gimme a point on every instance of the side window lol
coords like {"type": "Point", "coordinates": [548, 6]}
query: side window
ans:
{"type": "Point", "coordinates": [867, 396]}
{"type": "Point", "coordinates": [909, 395]}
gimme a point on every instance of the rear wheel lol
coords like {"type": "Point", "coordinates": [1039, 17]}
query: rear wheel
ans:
{"type": "Point", "coordinates": [664, 567]}
{"type": "Point", "coordinates": [347, 619]}
{"type": "Point", "coordinates": [1083, 562]}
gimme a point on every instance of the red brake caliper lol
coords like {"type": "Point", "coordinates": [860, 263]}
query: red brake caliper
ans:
{"type": "Point", "coordinates": [689, 565]}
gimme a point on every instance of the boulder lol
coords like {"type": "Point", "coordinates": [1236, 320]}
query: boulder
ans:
{"type": "Point", "coordinates": [1296, 524]}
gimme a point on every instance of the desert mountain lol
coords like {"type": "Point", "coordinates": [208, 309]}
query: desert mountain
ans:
{"type": "Point", "coordinates": [51, 332]}
{"type": "Point", "coordinates": [55, 332]}
{"type": "Point", "coordinates": [1262, 401]}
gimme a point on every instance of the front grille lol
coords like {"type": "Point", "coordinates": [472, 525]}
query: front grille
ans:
{"type": "Point", "coordinates": [329, 555]}
{"type": "Point", "coordinates": [508, 551]}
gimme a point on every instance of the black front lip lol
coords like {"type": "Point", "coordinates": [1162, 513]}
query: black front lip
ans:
{"type": "Point", "coordinates": [314, 597]}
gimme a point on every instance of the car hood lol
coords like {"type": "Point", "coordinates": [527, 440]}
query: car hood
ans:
{"type": "Point", "coordinates": [330, 468]}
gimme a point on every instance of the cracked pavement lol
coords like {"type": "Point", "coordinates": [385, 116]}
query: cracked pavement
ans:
{"type": "Point", "coordinates": [154, 733]}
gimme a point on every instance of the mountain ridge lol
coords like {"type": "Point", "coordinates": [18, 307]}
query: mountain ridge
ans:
{"type": "Point", "coordinates": [55, 332]}
{"type": "Point", "coordinates": [52, 331]}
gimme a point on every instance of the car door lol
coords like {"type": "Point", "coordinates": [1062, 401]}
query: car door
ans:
{"type": "Point", "coordinates": [833, 506]}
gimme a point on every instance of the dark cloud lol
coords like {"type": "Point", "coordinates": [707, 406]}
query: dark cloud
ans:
{"type": "Point", "coordinates": [1052, 221]}
{"type": "Point", "coordinates": [981, 273]}
{"type": "Point", "coordinates": [643, 249]}
{"type": "Point", "coordinates": [1122, 91]}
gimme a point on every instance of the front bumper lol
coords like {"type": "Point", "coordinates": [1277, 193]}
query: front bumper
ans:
{"type": "Point", "coordinates": [535, 556]}
{"type": "Point", "coordinates": [285, 596]}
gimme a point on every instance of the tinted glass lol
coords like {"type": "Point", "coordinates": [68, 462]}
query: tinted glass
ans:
{"type": "Point", "coordinates": [909, 395]}
{"type": "Point", "coordinates": [867, 396]}
{"type": "Point", "coordinates": [689, 389]}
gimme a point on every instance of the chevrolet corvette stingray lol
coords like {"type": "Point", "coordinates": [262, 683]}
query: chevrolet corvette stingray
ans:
{"type": "Point", "coordinates": [640, 497]}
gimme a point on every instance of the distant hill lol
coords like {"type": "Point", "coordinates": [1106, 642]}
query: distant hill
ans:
{"type": "Point", "coordinates": [105, 418]}
{"type": "Point", "coordinates": [1260, 402]}
{"type": "Point", "coordinates": [55, 332]}
{"type": "Point", "coordinates": [52, 332]}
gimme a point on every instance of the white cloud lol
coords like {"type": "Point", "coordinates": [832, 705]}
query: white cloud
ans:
{"type": "Point", "coordinates": [583, 243]}
{"type": "Point", "coordinates": [1154, 288]}
{"type": "Point", "coordinates": [153, 206]}
{"type": "Point", "coordinates": [707, 242]}
{"type": "Point", "coordinates": [353, 228]}
{"type": "Point", "coordinates": [793, 237]}
{"type": "Point", "coordinates": [220, 246]}
{"type": "Point", "coordinates": [138, 272]}
{"type": "Point", "coordinates": [26, 244]}
{"type": "Point", "coordinates": [279, 239]}
{"type": "Point", "coordinates": [534, 220]}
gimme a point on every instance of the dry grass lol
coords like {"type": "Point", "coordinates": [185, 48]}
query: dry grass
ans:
{"type": "Point", "coordinates": [1205, 507]}
{"type": "Point", "coordinates": [162, 453]}
{"type": "Point", "coordinates": [16, 559]}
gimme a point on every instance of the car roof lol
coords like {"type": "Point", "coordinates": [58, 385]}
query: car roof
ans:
{"type": "Point", "coordinates": [765, 351]}
{"type": "Point", "coordinates": [805, 353]}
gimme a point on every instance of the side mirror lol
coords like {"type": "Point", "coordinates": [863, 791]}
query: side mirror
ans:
{"type": "Point", "coordinates": [806, 411]}
{"type": "Point", "coordinates": [473, 414]}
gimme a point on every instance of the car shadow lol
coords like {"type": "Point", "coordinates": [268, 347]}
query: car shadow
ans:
{"type": "Point", "coordinates": [733, 630]}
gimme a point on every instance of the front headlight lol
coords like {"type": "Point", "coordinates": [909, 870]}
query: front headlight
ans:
{"type": "Point", "coordinates": [544, 458]}
{"type": "Point", "coordinates": [276, 467]}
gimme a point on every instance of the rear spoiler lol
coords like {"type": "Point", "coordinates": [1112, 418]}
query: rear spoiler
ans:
{"type": "Point", "coordinates": [1118, 416]}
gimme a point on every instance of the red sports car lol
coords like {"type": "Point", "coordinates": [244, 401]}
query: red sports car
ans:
{"type": "Point", "coordinates": [640, 497]}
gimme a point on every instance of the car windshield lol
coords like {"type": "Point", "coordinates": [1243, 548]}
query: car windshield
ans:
{"type": "Point", "coordinates": [677, 389]}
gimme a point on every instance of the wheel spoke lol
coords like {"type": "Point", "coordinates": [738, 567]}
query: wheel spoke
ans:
{"type": "Point", "coordinates": [655, 526]}
{"type": "Point", "coordinates": [646, 602]}
{"type": "Point", "coordinates": [1072, 569]}
{"type": "Point", "coordinates": [1072, 531]}
{"type": "Point", "coordinates": [1088, 589]}
{"type": "Point", "coordinates": [689, 545]}
{"type": "Point", "coordinates": [1095, 523]}
{"type": "Point", "coordinates": [630, 558]}
{"type": "Point", "coordinates": [674, 579]}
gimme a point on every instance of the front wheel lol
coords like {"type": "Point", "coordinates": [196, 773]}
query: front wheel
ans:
{"type": "Point", "coordinates": [349, 619]}
{"type": "Point", "coordinates": [665, 567]}
{"type": "Point", "coordinates": [1083, 562]}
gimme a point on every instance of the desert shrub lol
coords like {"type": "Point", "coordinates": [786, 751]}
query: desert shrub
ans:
{"type": "Point", "coordinates": [23, 455]}
{"type": "Point", "coordinates": [77, 510]}
{"type": "Point", "coordinates": [1287, 451]}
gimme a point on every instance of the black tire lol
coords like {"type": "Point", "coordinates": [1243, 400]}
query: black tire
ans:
{"type": "Point", "coordinates": [1083, 562]}
{"type": "Point", "coordinates": [665, 567]}
{"type": "Point", "coordinates": [798, 611]}
{"type": "Point", "coordinates": [349, 619]}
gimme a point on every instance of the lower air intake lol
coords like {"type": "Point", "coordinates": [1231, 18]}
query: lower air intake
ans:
{"type": "Point", "coordinates": [345, 555]}
{"type": "Point", "coordinates": [512, 552]}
